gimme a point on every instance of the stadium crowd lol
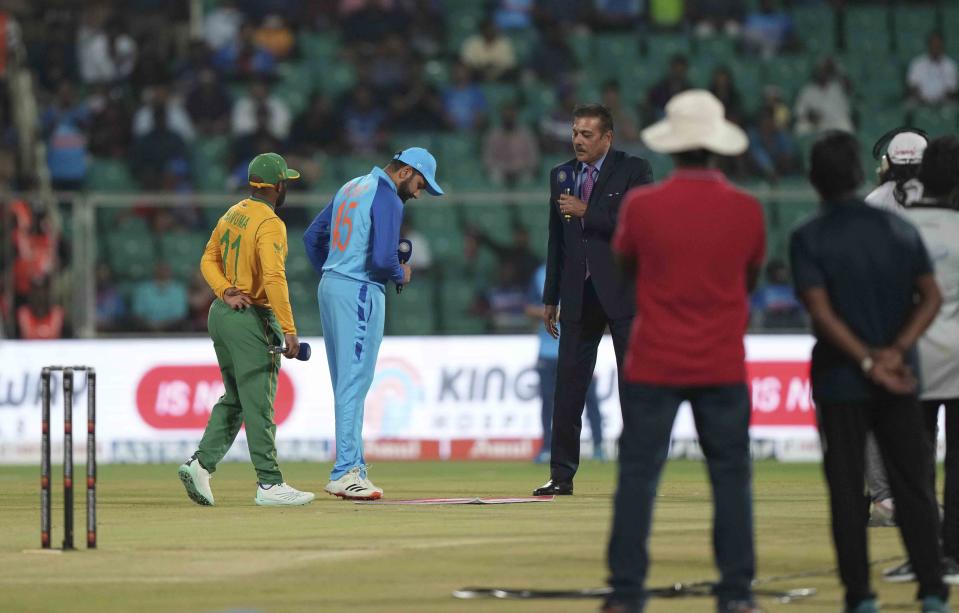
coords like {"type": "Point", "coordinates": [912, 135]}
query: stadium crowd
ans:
{"type": "Point", "coordinates": [336, 85]}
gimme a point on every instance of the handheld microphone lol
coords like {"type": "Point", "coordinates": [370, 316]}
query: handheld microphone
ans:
{"type": "Point", "coordinates": [565, 182]}
{"type": "Point", "coordinates": [302, 355]}
{"type": "Point", "coordinates": [404, 251]}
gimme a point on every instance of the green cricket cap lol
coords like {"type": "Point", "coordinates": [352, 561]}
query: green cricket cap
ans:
{"type": "Point", "coordinates": [271, 168]}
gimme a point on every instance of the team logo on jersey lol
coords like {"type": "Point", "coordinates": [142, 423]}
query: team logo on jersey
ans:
{"type": "Point", "coordinates": [278, 248]}
{"type": "Point", "coordinates": [562, 176]}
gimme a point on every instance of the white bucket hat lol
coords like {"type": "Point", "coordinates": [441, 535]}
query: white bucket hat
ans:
{"type": "Point", "coordinates": [695, 119]}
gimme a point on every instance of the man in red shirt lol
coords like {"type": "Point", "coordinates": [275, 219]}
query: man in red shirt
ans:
{"type": "Point", "coordinates": [695, 245]}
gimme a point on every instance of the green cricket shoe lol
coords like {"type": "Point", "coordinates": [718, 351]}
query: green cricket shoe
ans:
{"type": "Point", "coordinates": [196, 480]}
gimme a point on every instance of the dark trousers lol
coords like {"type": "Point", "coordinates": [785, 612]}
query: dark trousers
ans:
{"type": "Point", "coordinates": [950, 497]}
{"type": "Point", "coordinates": [721, 414]}
{"type": "Point", "coordinates": [898, 426]}
{"type": "Point", "coordinates": [546, 367]}
{"type": "Point", "coordinates": [578, 344]}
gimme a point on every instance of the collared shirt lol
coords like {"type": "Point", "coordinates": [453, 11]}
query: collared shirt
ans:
{"type": "Point", "coordinates": [934, 79]}
{"type": "Point", "coordinates": [694, 237]}
{"type": "Point", "coordinates": [867, 260]}
{"type": "Point", "coordinates": [581, 168]}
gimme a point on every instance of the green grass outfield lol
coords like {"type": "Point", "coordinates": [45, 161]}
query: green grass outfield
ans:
{"type": "Point", "coordinates": [160, 552]}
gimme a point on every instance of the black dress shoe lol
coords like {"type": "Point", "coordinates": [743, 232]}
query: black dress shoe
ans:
{"type": "Point", "coordinates": [555, 488]}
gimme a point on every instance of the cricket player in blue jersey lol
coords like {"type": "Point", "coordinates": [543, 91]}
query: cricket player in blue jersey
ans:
{"type": "Point", "coordinates": [353, 246]}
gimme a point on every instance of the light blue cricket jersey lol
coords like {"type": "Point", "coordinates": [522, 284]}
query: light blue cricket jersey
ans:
{"type": "Point", "coordinates": [356, 235]}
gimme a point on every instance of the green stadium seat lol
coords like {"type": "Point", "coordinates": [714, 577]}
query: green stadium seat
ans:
{"type": "Point", "coordinates": [498, 94]}
{"type": "Point", "coordinates": [950, 21]}
{"type": "Point", "coordinates": [335, 79]}
{"type": "Point", "coordinates": [209, 151]}
{"type": "Point", "coordinates": [412, 312]}
{"type": "Point", "coordinates": [582, 45]}
{"type": "Point", "coordinates": [182, 251]}
{"type": "Point", "coordinates": [790, 72]}
{"type": "Point", "coordinates": [132, 255]}
{"type": "Point", "coordinates": [816, 28]}
{"type": "Point", "coordinates": [912, 23]}
{"type": "Point", "coordinates": [437, 73]}
{"type": "Point", "coordinates": [212, 178]}
{"type": "Point", "coordinates": [867, 30]}
{"type": "Point", "coordinates": [457, 295]}
{"type": "Point", "coordinates": [524, 41]}
{"type": "Point", "coordinates": [659, 48]}
{"type": "Point", "coordinates": [715, 50]}
{"type": "Point", "coordinates": [936, 121]}
{"type": "Point", "coordinates": [109, 175]}
{"type": "Point", "coordinates": [749, 80]}
{"type": "Point", "coordinates": [611, 52]}
{"type": "Point", "coordinates": [296, 84]}
{"type": "Point", "coordinates": [317, 49]}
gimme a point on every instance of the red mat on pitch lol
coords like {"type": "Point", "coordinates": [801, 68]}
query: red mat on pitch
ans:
{"type": "Point", "coordinates": [428, 501]}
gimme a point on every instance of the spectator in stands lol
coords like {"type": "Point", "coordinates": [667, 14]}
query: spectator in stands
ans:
{"type": "Point", "coordinates": [209, 104]}
{"type": "Point", "coordinates": [624, 117]}
{"type": "Point", "coordinates": [198, 60]}
{"type": "Point", "coordinates": [221, 26]}
{"type": "Point", "coordinates": [464, 104]}
{"type": "Point", "coordinates": [553, 59]}
{"type": "Point", "coordinates": [53, 56]}
{"type": "Point", "coordinates": [275, 36]}
{"type": "Point", "coordinates": [199, 298]}
{"type": "Point", "coordinates": [110, 124]}
{"type": "Point", "coordinates": [428, 28]}
{"type": "Point", "coordinates": [160, 101]}
{"type": "Point", "coordinates": [370, 21]}
{"type": "Point", "coordinates": [774, 304]}
{"type": "Point", "coordinates": [570, 14]}
{"type": "Point", "coordinates": [159, 157]}
{"type": "Point", "coordinates": [249, 145]}
{"type": "Point", "coordinates": [773, 102]}
{"type": "Point", "coordinates": [390, 66]}
{"type": "Point", "coordinates": [317, 128]}
{"type": "Point", "coordinates": [769, 30]}
{"type": "Point", "coordinates": [242, 58]}
{"type": "Point", "coordinates": [724, 88]}
{"type": "Point", "coordinates": [111, 308]}
{"type": "Point", "coordinates": [105, 52]}
{"type": "Point", "coordinates": [36, 247]}
{"type": "Point", "coordinates": [415, 107]}
{"type": "Point", "coordinates": [613, 15]}
{"type": "Point", "coordinates": [516, 254]}
{"type": "Point", "coordinates": [510, 150]}
{"type": "Point", "coordinates": [554, 132]}
{"type": "Point", "coordinates": [489, 54]}
{"type": "Point", "coordinates": [153, 66]}
{"type": "Point", "coordinates": [666, 14]}
{"type": "Point", "coordinates": [39, 318]}
{"type": "Point", "coordinates": [675, 81]}
{"type": "Point", "coordinates": [711, 17]}
{"type": "Point", "coordinates": [823, 102]}
{"type": "Point", "coordinates": [933, 78]}
{"type": "Point", "coordinates": [160, 305]}
{"type": "Point", "coordinates": [772, 150]}
{"type": "Point", "coordinates": [65, 125]}
{"type": "Point", "coordinates": [503, 304]}
{"type": "Point", "coordinates": [259, 102]}
{"type": "Point", "coordinates": [513, 14]}
{"type": "Point", "coordinates": [364, 123]}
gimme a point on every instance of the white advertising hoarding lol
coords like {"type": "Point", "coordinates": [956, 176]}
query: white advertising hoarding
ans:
{"type": "Point", "coordinates": [471, 397]}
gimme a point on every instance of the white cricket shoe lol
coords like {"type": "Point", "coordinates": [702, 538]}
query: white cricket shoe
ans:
{"type": "Point", "coordinates": [370, 485]}
{"type": "Point", "coordinates": [352, 486]}
{"type": "Point", "coordinates": [281, 495]}
{"type": "Point", "coordinates": [196, 480]}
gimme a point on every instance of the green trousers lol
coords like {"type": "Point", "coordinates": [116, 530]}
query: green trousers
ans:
{"type": "Point", "coordinates": [250, 371]}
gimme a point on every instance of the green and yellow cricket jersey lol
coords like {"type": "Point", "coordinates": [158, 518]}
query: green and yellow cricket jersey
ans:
{"type": "Point", "coordinates": [247, 250]}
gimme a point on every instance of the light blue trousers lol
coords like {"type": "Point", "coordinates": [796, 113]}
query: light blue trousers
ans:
{"type": "Point", "coordinates": [353, 315]}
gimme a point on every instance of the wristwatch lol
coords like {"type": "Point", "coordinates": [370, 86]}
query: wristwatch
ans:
{"type": "Point", "coordinates": [866, 364]}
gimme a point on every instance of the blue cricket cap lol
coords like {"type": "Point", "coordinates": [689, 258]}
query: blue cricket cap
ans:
{"type": "Point", "coordinates": [424, 163]}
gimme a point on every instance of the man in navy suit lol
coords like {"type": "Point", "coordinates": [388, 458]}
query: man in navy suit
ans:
{"type": "Point", "coordinates": [581, 275]}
